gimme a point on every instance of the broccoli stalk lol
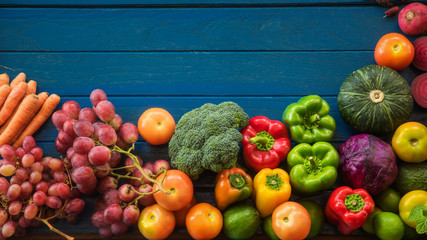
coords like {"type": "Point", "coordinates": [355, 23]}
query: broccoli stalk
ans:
{"type": "Point", "coordinates": [207, 138]}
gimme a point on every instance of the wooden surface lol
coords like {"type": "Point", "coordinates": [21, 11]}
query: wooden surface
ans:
{"type": "Point", "coordinates": [180, 54]}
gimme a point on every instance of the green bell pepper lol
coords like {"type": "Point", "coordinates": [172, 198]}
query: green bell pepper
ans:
{"type": "Point", "coordinates": [312, 168]}
{"type": "Point", "coordinates": [309, 120]}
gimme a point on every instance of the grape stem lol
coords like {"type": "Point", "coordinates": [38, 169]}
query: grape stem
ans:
{"type": "Point", "coordinates": [53, 229]}
{"type": "Point", "coordinates": [136, 164]}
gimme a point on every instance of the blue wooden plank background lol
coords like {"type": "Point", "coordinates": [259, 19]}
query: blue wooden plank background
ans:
{"type": "Point", "coordinates": [178, 55]}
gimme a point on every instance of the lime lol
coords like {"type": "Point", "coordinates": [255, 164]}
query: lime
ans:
{"type": "Point", "coordinates": [368, 226]}
{"type": "Point", "coordinates": [268, 229]}
{"type": "Point", "coordinates": [389, 226]}
{"type": "Point", "coordinates": [241, 221]}
{"type": "Point", "coordinates": [388, 200]}
{"type": "Point", "coordinates": [316, 215]}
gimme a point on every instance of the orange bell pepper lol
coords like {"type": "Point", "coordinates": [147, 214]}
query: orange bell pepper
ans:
{"type": "Point", "coordinates": [271, 188]}
{"type": "Point", "coordinates": [232, 185]}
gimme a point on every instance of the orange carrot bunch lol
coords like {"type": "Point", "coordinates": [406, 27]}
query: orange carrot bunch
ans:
{"type": "Point", "coordinates": [22, 110]}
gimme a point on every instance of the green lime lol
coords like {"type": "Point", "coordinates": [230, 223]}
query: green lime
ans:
{"type": "Point", "coordinates": [389, 226]}
{"type": "Point", "coordinates": [368, 226]}
{"type": "Point", "coordinates": [268, 229]}
{"type": "Point", "coordinates": [316, 215]}
{"type": "Point", "coordinates": [241, 221]}
{"type": "Point", "coordinates": [388, 200]}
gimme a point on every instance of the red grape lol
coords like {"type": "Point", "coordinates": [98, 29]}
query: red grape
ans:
{"type": "Point", "coordinates": [7, 170]}
{"type": "Point", "coordinates": [117, 122]}
{"type": "Point", "coordinates": [29, 143]}
{"type": "Point", "coordinates": [83, 145]}
{"type": "Point", "coordinates": [3, 216]}
{"type": "Point", "coordinates": [119, 228]}
{"type": "Point", "coordinates": [115, 159]}
{"type": "Point", "coordinates": [106, 183]}
{"type": "Point", "coordinates": [97, 219]}
{"type": "Point", "coordinates": [56, 164]}
{"type": "Point", "coordinates": [107, 135]}
{"type": "Point", "coordinates": [72, 108]}
{"type": "Point", "coordinates": [4, 186]}
{"type": "Point", "coordinates": [39, 198]}
{"type": "Point", "coordinates": [131, 214]}
{"type": "Point", "coordinates": [97, 96]}
{"type": "Point", "coordinates": [26, 189]}
{"type": "Point", "coordinates": [102, 170]}
{"type": "Point", "coordinates": [129, 133]}
{"type": "Point", "coordinates": [35, 177]}
{"type": "Point", "coordinates": [160, 165]}
{"type": "Point", "coordinates": [82, 175]}
{"type": "Point", "coordinates": [21, 173]}
{"type": "Point", "coordinates": [99, 155]}
{"type": "Point", "coordinates": [113, 213]}
{"type": "Point", "coordinates": [15, 208]}
{"type": "Point", "coordinates": [27, 160]}
{"type": "Point", "coordinates": [83, 128]}
{"type": "Point", "coordinates": [59, 117]}
{"type": "Point", "coordinates": [65, 139]}
{"type": "Point", "coordinates": [60, 147]}
{"type": "Point", "coordinates": [75, 206]}
{"type": "Point", "coordinates": [37, 152]}
{"type": "Point", "coordinates": [8, 152]}
{"type": "Point", "coordinates": [105, 111]}
{"type": "Point", "coordinates": [13, 192]}
{"type": "Point", "coordinates": [111, 197]}
{"type": "Point", "coordinates": [88, 114]}
{"type": "Point", "coordinates": [68, 127]}
{"type": "Point", "coordinates": [53, 202]}
{"type": "Point", "coordinates": [63, 190]}
{"type": "Point", "coordinates": [126, 193]}
{"type": "Point", "coordinates": [8, 229]}
{"type": "Point", "coordinates": [79, 160]}
{"type": "Point", "coordinates": [147, 200]}
{"type": "Point", "coordinates": [31, 211]}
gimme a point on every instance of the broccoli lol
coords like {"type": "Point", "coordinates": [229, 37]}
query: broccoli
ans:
{"type": "Point", "coordinates": [207, 138]}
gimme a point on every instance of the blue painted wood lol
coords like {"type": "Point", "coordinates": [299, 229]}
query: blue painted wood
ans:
{"type": "Point", "coordinates": [194, 29]}
{"type": "Point", "coordinates": [191, 73]}
{"type": "Point", "coordinates": [175, 2]}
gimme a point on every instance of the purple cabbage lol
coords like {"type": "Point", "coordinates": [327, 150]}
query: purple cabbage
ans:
{"type": "Point", "coordinates": [367, 162]}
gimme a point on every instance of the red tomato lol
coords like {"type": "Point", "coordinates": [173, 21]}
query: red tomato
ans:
{"type": "Point", "coordinates": [204, 221]}
{"type": "Point", "coordinates": [395, 51]}
{"type": "Point", "coordinates": [156, 222]}
{"type": "Point", "coordinates": [156, 126]}
{"type": "Point", "coordinates": [182, 213]}
{"type": "Point", "coordinates": [291, 221]}
{"type": "Point", "coordinates": [180, 187]}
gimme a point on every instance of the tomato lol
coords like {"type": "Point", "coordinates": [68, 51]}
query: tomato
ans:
{"type": "Point", "coordinates": [290, 220]}
{"type": "Point", "coordinates": [204, 221]}
{"type": "Point", "coordinates": [395, 51]}
{"type": "Point", "coordinates": [180, 187]}
{"type": "Point", "coordinates": [156, 126]}
{"type": "Point", "coordinates": [155, 222]}
{"type": "Point", "coordinates": [182, 213]}
{"type": "Point", "coordinates": [409, 142]}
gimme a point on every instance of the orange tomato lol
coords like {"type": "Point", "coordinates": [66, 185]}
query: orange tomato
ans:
{"type": "Point", "coordinates": [395, 51]}
{"type": "Point", "coordinates": [156, 126]}
{"type": "Point", "coordinates": [155, 222]}
{"type": "Point", "coordinates": [291, 221]}
{"type": "Point", "coordinates": [182, 213]}
{"type": "Point", "coordinates": [204, 221]}
{"type": "Point", "coordinates": [180, 187]}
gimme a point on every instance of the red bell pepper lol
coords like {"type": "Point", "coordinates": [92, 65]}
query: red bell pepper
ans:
{"type": "Point", "coordinates": [265, 143]}
{"type": "Point", "coordinates": [348, 208]}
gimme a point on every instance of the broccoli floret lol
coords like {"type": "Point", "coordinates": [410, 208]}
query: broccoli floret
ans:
{"type": "Point", "coordinates": [207, 138]}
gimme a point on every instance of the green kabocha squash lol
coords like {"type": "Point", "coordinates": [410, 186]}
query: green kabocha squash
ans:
{"type": "Point", "coordinates": [375, 99]}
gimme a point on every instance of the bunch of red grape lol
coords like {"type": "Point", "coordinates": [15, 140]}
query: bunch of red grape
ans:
{"type": "Point", "coordinates": [37, 189]}
{"type": "Point", "coordinates": [94, 140]}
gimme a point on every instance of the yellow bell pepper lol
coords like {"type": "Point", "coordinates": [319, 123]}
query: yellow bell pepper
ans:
{"type": "Point", "coordinates": [408, 202]}
{"type": "Point", "coordinates": [271, 188]}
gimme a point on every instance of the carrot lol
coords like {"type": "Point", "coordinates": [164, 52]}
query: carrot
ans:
{"type": "Point", "coordinates": [4, 79]}
{"type": "Point", "coordinates": [46, 110]}
{"type": "Point", "coordinates": [42, 98]}
{"type": "Point", "coordinates": [24, 113]}
{"type": "Point", "coordinates": [12, 101]}
{"type": "Point", "coordinates": [4, 92]}
{"type": "Point", "coordinates": [32, 87]}
{"type": "Point", "coordinates": [18, 79]}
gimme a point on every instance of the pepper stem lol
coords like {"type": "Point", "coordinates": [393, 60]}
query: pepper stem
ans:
{"type": "Point", "coordinates": [313, 165]}
{"type": "Point", "coordinates": [236, 180]}
{"type": "Point", "coordinates": [263, 140]}
{"type": "Point", "coordinates": [274, 182]}
{"type": "Point", "coordinates": [354, 202]}
{"type": "Point", "coordinates": [311, 120]}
